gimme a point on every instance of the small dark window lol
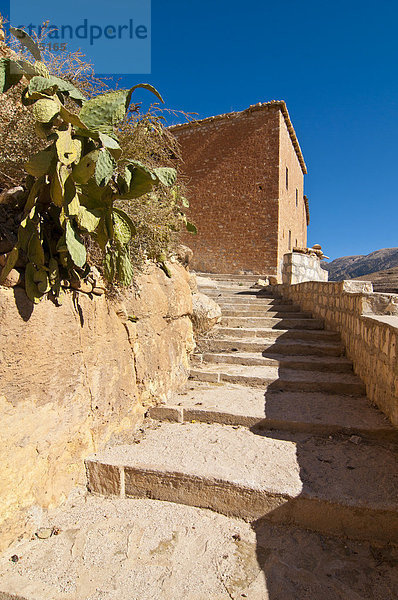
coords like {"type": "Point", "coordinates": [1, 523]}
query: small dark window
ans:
{"type": "Point", "coordinates": [296, 197]}
{"type": "Point", "coordinates": [296, 244]}
{"type": "Point", "coordinates": [287, 178]}
{"type": "Point", "coordinates": [290, 240]}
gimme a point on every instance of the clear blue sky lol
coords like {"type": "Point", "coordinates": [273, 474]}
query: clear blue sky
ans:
{"type": "Point", "coordinates": [335, 64]}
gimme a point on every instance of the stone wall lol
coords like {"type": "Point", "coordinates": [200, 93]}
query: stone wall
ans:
{"type": "Point", "coordinates": [292, 222]}
{"type": "Point", "coordinates": [298, 267]}
{"type": "Point", "coordinates": [234, 164]}
{"type": "Point", "coordinates": [72, 376]}
{"type": "Point", "coordinates": [368, 324]}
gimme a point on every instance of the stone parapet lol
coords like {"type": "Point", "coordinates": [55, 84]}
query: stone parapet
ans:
{"type": "Point", "coordinates": [298, 267]}
{"type": "Point", "coordinates": [368, 324]}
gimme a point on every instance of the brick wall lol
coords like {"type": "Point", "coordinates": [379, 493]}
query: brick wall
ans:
{"type": "Point", "coordinates": [368, 324]}
{"type": "Point", "coordinates": [233, 168]}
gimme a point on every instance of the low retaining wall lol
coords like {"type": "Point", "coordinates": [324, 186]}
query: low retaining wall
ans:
{"type": "Point", "coordinates": [298, 267]}
{"type": "Point", "coordinates": [368, 324]}
{"type": "Point", "coordinates": [74, 375]}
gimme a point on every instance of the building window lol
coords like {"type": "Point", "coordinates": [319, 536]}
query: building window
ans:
{"type": "Point", "coordinates": [296, 197]}
{"type": "Point", "coordinates": [290, 240]}
{"type": "Point", "coordinates": [287, 178]}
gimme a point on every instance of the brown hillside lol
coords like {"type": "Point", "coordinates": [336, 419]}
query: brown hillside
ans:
{"type": "Point", "coordinates": [383, 281]}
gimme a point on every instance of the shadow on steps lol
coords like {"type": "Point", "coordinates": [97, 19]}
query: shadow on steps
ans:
{"type": "Point", "coordinates": [343, 496]}
{"type": "Point", "coordinates": [303, 565]}
{"type": "Point", "coordinates": [298, 569]}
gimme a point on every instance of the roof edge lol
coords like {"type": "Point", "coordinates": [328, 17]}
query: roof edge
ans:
{"type": "Point", "coordinates": [280, 104]}
{"type": "Point", "coordinates": [307, 210]}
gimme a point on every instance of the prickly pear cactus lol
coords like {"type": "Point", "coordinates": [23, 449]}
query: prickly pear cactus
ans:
{"type": "Point", "coordinates": [41, 69]}
{"type": "Point", "coordinates": [75, 182]}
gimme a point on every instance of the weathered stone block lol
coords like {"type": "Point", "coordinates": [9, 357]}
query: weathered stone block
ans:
{"type": "Point", "coordinates": [103, 479]}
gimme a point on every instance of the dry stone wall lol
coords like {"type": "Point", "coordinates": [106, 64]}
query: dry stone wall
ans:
{"type": "Point", "coordinates": [72, 376]}
{"type": "Point", "coordinates": [298, 268]}
{"type": "Point", "coordinates": [368, 324]}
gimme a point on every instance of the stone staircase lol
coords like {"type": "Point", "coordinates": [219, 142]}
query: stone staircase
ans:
{"type": "Point", "coordinates": [273, 425]}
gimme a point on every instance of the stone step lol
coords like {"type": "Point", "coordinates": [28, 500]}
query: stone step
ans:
{"type": "Point", "coordinates": [274, 323]}
{"type": "Point", "coordinates": [228, 277]}
{"type": "Point", "coordinates": [229, 292]}
{"type": "Point", "coordinates": [239, 290]}
{"type": "Point", "coordinates": [310, 412]}
{"type": "Point", "coordinates": [273, 334]}
{"type": "Point", "coordinates": [143, 549]}
{"type": "Point", "coordinates": [274, 378]}
{"type": "Point", "coordinates": [254, 304]}
{"type": "Point", "coordinates": [338, 488]}
{"type": "Point", "coordinates": [292, 347]}
{"type": "Point", "coordinates": [254, 301]}
{"type": "Point", "coordinates": [251, 295]}
{"type": "Point", "coordinates": [233, 286]}
{"type": "Point", "coordinates": [306, 363]}
{"type": "Point", "coordinates": [247, 310]}
{"type": "Point", "coordinates": [268, 312]}
{"type": "Point", "coordinates": [244, 294]}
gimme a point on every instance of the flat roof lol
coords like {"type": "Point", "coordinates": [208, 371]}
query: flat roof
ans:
{"type": "Point", "coordinates": [279, 104]}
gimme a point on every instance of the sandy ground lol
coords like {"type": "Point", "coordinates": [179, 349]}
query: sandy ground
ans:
{"type": "Point", "coordinates": [148, 550]}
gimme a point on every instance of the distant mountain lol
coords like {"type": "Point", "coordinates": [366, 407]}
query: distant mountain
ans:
{"type": "Point", "coordinates": [352, 267]}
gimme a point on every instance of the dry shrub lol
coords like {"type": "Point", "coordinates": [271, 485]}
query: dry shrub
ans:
{"type": "Point", "coordinates": [158, 216]}
{"type": "Point", "coordinates": [18, 140]}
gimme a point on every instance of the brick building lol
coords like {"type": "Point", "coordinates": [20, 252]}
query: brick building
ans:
{"type": "Point", "coordinates": [245, 175]}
